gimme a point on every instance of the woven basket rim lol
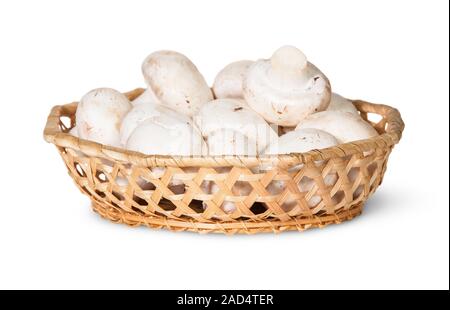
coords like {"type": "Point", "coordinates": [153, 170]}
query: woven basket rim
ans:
{"type": "Point", "coordinates": [392, 135]}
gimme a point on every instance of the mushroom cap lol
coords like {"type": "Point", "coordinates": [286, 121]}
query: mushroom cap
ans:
{"type": "Point", "coordinates": [285, 90]}
{"type": "Point", "coordinates": [339, 103]}
{"type": "Point", "coordinates": [345, 126]}
{"type": "Point", "coordinates": [301, 140]}
{"type": "Point", "coordinates": [230, 142]}
{"type": "Point", "coordinates": [235, 115]}
{"type": "Point", "coordinates": [228, 82]}
{"type": "Point", "coordinates": [166, 135]}
{"type": "Point", "coordinates": [99, 115]}
{"type": "Point", "coordinates": [176, 81]}
{"type": "Point", "coordinates": [139, 113]}
{"type": "Point", "coordinates": [146, 110]}
{"type": "Point", "coordinates": [147, 97]}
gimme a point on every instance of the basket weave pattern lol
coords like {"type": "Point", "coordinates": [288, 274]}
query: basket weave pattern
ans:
{"type": "Point", "coordinates": [124, 188]}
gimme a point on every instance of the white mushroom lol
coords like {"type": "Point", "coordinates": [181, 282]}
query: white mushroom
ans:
{"type": "Point", "coordinates": [287, 88]}
{"type": "Point", "coordinates": [176, 81]}
{"type": "Point", "coordinates": [301, 140]}
{"type": "Point", "coordinates": [228, 82]}
{"type": "Point", "coordinates": [99, 115]}
{"type": "Point", "coordinates": [147, 97]}
{"type": "Point", "coordinates": [339, 103]}
{"type": "Point", "coordinates": [144, 111]}
{"type": "Point", "coordinates": [167, 134]}
{"type": "Point", "coordinates": [156, 129]}
{"type": "Point", "coordinates": [233, 114]}
{"type": "Point", "coordinates": [230, 142]}
{"type": "Point", "coordinates": [345, 126]}
{"type": "Point", "coordinates": [139, 113]}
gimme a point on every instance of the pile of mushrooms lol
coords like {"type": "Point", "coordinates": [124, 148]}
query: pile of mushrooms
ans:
{"type": "Point", "coordinates": [267, 107]}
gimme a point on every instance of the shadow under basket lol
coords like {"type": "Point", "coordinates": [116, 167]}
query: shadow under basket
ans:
{"type": "Point", "coordinates": [125, 188]}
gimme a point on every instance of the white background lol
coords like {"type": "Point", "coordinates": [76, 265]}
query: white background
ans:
{"type": "Point", "coordinates": [393, 52]}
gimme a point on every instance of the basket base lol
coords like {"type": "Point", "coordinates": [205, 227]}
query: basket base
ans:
{"type": "Point", "coordinates": [245, 227]}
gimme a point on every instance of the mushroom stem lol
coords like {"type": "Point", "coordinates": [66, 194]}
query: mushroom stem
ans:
{"type": "Point", "coordinates": [288, 60]}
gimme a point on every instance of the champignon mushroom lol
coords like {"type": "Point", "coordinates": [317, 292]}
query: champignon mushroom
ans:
{"type": "Point", "coordinates": [176, 81]}
{"type": "Point", "coordinates": [139, 113]}
{"type": "Point", "coordinates": [228, 82]}
{"type": "Point", "coordinates": [234, 115]}
{"type": "Point", "coordinates": [345, 126]}
{"type": "Point", "coordinates": [339, 103]}
{"type": "Point", "coordinates": [99, 115]}
{"type": "Point", "coordinates": [299, 141]}
{"type": "Point", "coordinates": [143, 111]}
{"type": "Point", "coordinates": [156, 129]}
{"type": "Point", "coordinates": [287, 88]}
{"type": "Point", "coordinates": [167, 134]}
{"type": "Point", "coordinates": [147, 97]}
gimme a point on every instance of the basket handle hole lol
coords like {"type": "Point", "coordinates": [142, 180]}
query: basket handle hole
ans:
{"type": "Point", "coordinates": [80, 170]}
{"type": "Point", "coordinates": [65, 123]}
{"type": "Point", "coordinates": [374, 118]}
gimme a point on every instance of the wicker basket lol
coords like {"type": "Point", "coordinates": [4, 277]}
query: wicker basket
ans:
{"type": "Point", "coordinates": [123, 189]}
